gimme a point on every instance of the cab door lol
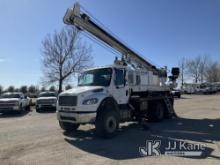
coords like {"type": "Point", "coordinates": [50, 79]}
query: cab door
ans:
{"type": "Point", "coordinates": [120, 87]}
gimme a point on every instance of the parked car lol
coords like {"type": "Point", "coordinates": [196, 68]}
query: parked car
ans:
{"type": "Point", "coordinates": [209, 89]}
{"type": "Point", "coordinates": [192, 88]}
{"type": "Point", "coordinates": [14, 102]}
{"type": "Point", "coordinates": [46, 101]}
{"type": "Point", "coordinates": [217, 86]}
{"type": "Point", "coordinates": [176, 93]}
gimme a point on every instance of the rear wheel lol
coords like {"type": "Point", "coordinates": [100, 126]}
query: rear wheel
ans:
{"type": "Point", "coordinates": [68, 126]}
{"type": "Point", "coordinates": [156, 111]}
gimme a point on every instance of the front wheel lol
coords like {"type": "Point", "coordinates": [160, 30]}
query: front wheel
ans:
{"type": "Point", "coordinates": [106, 123]}
{"type": "Point", "coordinates": [68, 126]}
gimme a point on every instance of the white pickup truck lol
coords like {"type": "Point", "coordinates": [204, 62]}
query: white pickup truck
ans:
{"type": "Point", "coordinates": [14, 102]}
{"type": "Point", "coordinates": [46, 101]}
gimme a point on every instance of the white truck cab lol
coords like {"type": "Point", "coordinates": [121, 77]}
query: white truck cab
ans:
{"type": "Point", "coordinates": [14, 102]}
{"type": "Point", "coordinates": [80, 104]}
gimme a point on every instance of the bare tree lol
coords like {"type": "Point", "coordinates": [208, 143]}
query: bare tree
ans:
{"type": "Point", "coordinates": [1, 89]}
{"type": "Point", "coordinates": [213, 72]}
{"type": "Point", "coordinates": [64, 54]}
{"type": "Point", "coordinates": [193, 68]}
{"type": "Point", "coordinates": [32, 89]}
{"type": "Point", "coordinates": [182, 66]}
{"type": "Point", "coordinates": [11, 89]}
{"type": "Point", "coordinates": [42, 89]}
{"type": "Point", "coordinates": [52, 88]}
{"type": "Point", "coordinates": [37, 90]}
{"type": "Point", "coordinates": [24, 89]}
{"type": "Point", "coordinates": [68, 87]}
{"type": "Point", "coordinates": [202, 67]}
{"type": "Point", "coordinates": [196, 68]}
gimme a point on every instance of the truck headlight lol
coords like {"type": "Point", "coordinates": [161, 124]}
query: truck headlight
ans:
{"type": "Point", "coordinates": [90, 101]}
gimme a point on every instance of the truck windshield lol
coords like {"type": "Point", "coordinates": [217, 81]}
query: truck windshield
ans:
{"type": "Point", "coordinates": [10, 96]}
{"type": "Point", "coordinates": [96, 77]}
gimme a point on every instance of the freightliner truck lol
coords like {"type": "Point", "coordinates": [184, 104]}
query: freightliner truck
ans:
{"type": "Point", "coordinates": [132, 89]}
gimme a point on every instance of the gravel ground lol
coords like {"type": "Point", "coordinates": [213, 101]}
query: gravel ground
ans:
{"type": "Point", "coordinates": [36, 139]}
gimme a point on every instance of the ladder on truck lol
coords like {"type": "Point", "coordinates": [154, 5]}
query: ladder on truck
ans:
{"type": "Point", "coordinates": [169, 106]}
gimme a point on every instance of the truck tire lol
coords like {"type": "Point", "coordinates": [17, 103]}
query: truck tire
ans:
{"type": "Point", "coordinates": [38, 110]}
{"type": "Point", "coordinates": [28, 108]}
{"type": "Point", "coordinates": [107, 124]}
{"type": "Point", "coordinates": [156, 112]}
{"type": "Point", "coordinates": [107, 120]}
{"type": "Point", "coordinates": [68, 126]}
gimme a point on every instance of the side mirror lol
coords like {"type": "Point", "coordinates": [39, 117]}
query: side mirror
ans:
{"type": "Point", "coordinates": [175, 71]}
{"type": "Point", "coordinates": [79, 77]}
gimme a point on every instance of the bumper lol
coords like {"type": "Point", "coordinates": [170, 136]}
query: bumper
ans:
{"type": "Point", "coordinates": [46, 106]}
{"type": "Point", "coordinates": [80, 115]}
{"type": "Point", "coordinates": [9, 109]}
{"type": "Point", "coordinates": [77, 117]}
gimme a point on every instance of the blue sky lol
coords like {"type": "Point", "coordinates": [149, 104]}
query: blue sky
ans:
{"type": "Point", "coordinates": [161, 30]}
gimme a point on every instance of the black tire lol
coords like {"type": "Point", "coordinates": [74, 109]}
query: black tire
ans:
{"type": "Point", "coordinates": [156, 112]}
{"type": "Point", "coordinates": [38, 110]}
{"type": "Point", "coordinates": [68, 126]}
{"type": "Point", "coordinates": [107, 120]}
{"type": "Point", "coordinates": [28, 108]}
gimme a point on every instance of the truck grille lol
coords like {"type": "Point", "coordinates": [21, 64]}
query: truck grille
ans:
{"type": "Point", "coordinates": [46, 101]}
{"type": "Point", "coordinates": [67, 100]}
{"type": "Point", "coordinates": [7, 104]}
